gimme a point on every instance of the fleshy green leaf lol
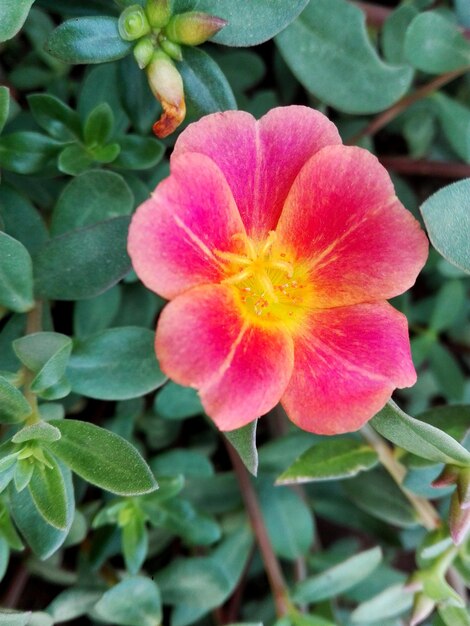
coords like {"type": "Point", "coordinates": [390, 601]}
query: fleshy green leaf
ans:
{"type": "Point", "coordinates": [394, 31]}
{"type": "Point", "coordinates": [14, 618]}
{"type": "Point", "coordinates": [49, 494]}
{"type": "Point", "coordinates": [54, 116]}
{"type": "Point", "coordinates": [251, 23]}
{"type": "Point", "coordinates": [74, 160]}
{"type": "Point", "coordinates": [138, 153]}
{"type": "Point", "coordinates": [83, 263]}
{"type": "Point", "coordinates": [418, 437]}
{"type": "Point", "coordinates": [96, 314]}
{"type": "Point", "coordinates": [132, 602]}
{"type": "Point", "coordinates": [454, 118]}
{"type": "Point", "coordinates": [446, 215]}
{"type": "Point", "coordinates": [14, 14]}
{"type": "Point", "coordinates": [27, 152]}
{"type": "Point", "coordinates": [22, 220]}
{"type": "Point", "coordinates": [72, 603]}
{"type": "Point", "coordinates": [454, 615]}
{"type": "Point", "coordinates": [343, 71]}
{"type": "Point", "coordinates": [453, 420]}
{"type": "Point", "coordinates": [99, 125]}
{"type": "Point", "coordinates": [115, 364]}
{"type": "Point", "coordinates": [244, 441]}
{"type": "Point", "coordinates": [41, 431]}
{"type": "Point", "coordinates": [206, 88]}
{"type": "Point", "coordinates": [389, 603]}
{"type": "Point", "coordinates": [88, 40]}
{"type": "Point", "coordinates": [433, 44]}
{"type": "Point", "coordinates": [4, 105]}
{"type": "Point", "coordinates": [16, 275]}
{"type": "Point", "coordinates": [175, 402]}
{"type": "Point", "coordinates": [102, 458]}
{"type": "Point", "coordinates": [90, 198]}
{"type": "Point", "coordinates": [13, 405]}
{"type": "Point", "coordinates": [339, 578]}
{"type": "Point", "coordinates": [330, 460]}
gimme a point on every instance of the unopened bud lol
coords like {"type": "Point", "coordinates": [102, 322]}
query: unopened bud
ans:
{"type": "Point", "coordinates": [133, 23]}
{"type": "Point", "coordinates": [143, 52]}
{"type": "Point", "coordinates": [422, 608]}
{"type": "Point", "coordinates": [159, 12]}
{"type": "Point", "coordinates": [193, 28]}
{"type": "Point", "coordinates": [447, 477]}
{"type": "Point", "coordinates": [459, 520]}
{"type": "Point", "coordinates": [167, 86]}
{"type": "Point", "coordinates": [172, 49]}
{"type": "Point", "coordinates": [463, 488]}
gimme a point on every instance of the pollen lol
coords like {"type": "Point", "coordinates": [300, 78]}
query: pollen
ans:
{"type": "Point", "coordinates": [267, 279]}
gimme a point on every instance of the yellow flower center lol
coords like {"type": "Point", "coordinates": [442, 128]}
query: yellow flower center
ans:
{"type": "Point", "coordinates": [271, 286]}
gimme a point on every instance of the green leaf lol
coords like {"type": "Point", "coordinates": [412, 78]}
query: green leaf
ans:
{"type": "Point", "coordinates": [138, 153]}
{"type": "Point", "coordinates": [22, 220]}
{"type": "Point", "coordinates": [54, 116]}
{"type": "Point", "coordinates": [389, 603]}
{"type": "Point", "coordinates": [42, 431]}
{"type": "Point", "coordinates": [14, 618]}
{"type": "Point", "coordinates": [90, 198]}
{"type": "Point", "coordinates": [182, 461]}
{"type": "Point", "coordinates": [449, 303]}
{"type": "Point", "coordinates": [176, 402]}
{"type": "Point", "coordinates": [46, 354]}
{"type": "Point", "coordinates": [181, 518]}
{"type": "Point", "coordinates": [132, 602]}
{"type": "Point", "coordinates": [88, 40]}
{"type": "Point", "coordinates": [433, 44]}
{"type": "Point", "coordinates": [48, 492]}
{"type": "Point", "coordinates": [330, 460]}
{"type": "Point", "coordinates": [454, 615]}
{"type": "Point", "coordinates": [27, 152]}
{"type": "Point", "coordinates": [16, 275]}
{"type": "Point", "coordinates": [251, 23]}
{"type": "Point", "coordinates": [453, 420]}
{"type": "Point", "coordinates": [454, 118]}
{"type": "Point", "coordinates": [13, 405]}
{"type": "Point", "coordinates": [394, 31]}
{"type": "Point", "coordinates": [135, 542]}
{"type": "Point", "coordinates": [244, 441]}
{"type": "Point", "coordinates": [14, 14]}
{"type": "Point", "coordinates": [447, 372]}
{"type": "Point", "coordinates": [446, 215]}
{"type": "Point", "coordinates": [339, 578]}
{"type": "Point", "coordinates": [72, 603]}
{"type": "Point", "coordinates": [343, 71]}
{"type": "Point", "coordinates": [99, 125]}
{"type": "Point", "coordinates": [102, 458]}
{"type": "Point", "coordinates": [206, 88]}
{"type": "Point", "coordinates": [83, 263]}
{"type": "Point", "coordinates": [4, 105]}
{"type": "Point", "coordinates": [288, 520]}
{"type": "Point", "coordinates": [43, 538]}
{"type": "Point", "coordinates": [74, 160]}
{"type": "Point", "coordinates": [95, 314]}
{"type": "Point", "coordinates": [115, 364]}
{"type": "Point", "coordinates": [418, 437]}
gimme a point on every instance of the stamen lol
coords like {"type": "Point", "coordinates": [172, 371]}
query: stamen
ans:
{"type": "Point", "coordinates": [237, 278]}
{"type": "Point", "coordinates": [284, 266]}
{"type": "Point", "coordinates": [232, 257]}
{"type": "Point", "coordinates": [267, 286]}
{"type": "Point", "coordinates": [268, 244]}
{"type": "Point", "coordinates": [249, 246]}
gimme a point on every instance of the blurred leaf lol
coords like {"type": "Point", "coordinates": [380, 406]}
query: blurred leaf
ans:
{"type": "Point", "coordinates": [83, 263]}
{"type": "Point", "coordinates": [182, 461]}
{"type": "Point", "coordinates": [433, 44]}
{"type": "Point", "coordinates": [344, 72]}
{"type": "Point", "coordinates": [330, 460]}
{"type": "Point", "coordinates": [22, 220]}
{"type": "Point", "coordinates": [4, 105]}
{"type": "Point", "coordinates": [90, 198]}
{"type": "Point", "coordinates": [377, 494]}
{"type": "Point", "coordinates": [339, 578]}
{"type": "Point", "coordinates": [115, 364]}
{"type": "Point", "coordinates": [454, 615]}
{"type": "Point", "coordinates": [450, 300]}
{"type": "Point", "coordinates": [206, 87]}
{"type": "Point", "coordinates": [244, 441]}
{"type": "Point", "coordinates": [181, 518]}
{"type": "Point", "coordinates": [13, 405]}
{"type": "Point", "coordinates": [391, 602]}
{"type": "Point", "coordinates": [54, 116]}
{"type": "Point", "coordinates": [96, 314]}
{"type": "Point", "coordinates": [27, 152]}
{"type": "Point", "coordinates": [135, 542]}
{"type": "Point", "coordinates": [448, 373]}
{"type": "Point", "coordinates": [394, 32]}
{"type": "Point", "coordinates": [88, 40]}
{"type": "Point", "coordinates": [288, 520]}
{"type": "Point", "coordinates": [138, 153]}
{"type": "Point", "coordinates": [454, 420]}
{"type": "Point", "coordinates": [14, 14]}
{"type": "Point", "coordinates": [455, 121]}
{"type": "Point", "coordinates": [14, 618]}
{"type": "Point", "coordinates": [132, 602]}
{"type": "Point", "coordinates": [446, 215]}
{"type": "Point", "coordinates": [72, 603]}
{"type": "Point", "coordinates": [102, 84]}
{"type": "Point", "coordinates": [177, 402]}
{"type": "Point", "coordinates": [252, 23]}
{"type": "Point", "coordinates": [462, 8]}
{"type": "Point", "coordinates": [43, 538]}
{"type": "Point", "coordinates": [16, 275]}
{"type": "Point", "coordinates": [418, 437]}
{"type": "Point", "coordinates": [243, 68]}
{"type": "Point", "coordinates": [102, 458]}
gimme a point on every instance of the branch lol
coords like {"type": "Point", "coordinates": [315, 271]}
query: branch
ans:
{"type": "Point", "coordinates": [423, 167]}
{"type": "Point", "coordinates": [273, 569]}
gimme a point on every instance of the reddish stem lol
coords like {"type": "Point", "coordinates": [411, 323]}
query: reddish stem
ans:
{"type": "Point", "coordinates": [423, 167]}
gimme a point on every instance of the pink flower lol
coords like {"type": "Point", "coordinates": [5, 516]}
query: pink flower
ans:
{"type": "Point", "coordinates": [277, 247]}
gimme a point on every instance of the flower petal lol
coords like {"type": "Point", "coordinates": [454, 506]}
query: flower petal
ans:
{"type": "Point", "coordinates": [347, 364]}
{"type": "Point", "coordinates": [260, 160]}
{"type": "Point", "coordinates": [342, 214]}
{"type": "Point", "coordinates": [173, 234]}
{"type": "Point", "coordinates": [241, 370]}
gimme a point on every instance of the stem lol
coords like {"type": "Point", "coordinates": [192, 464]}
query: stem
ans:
{"type": "Point", "coordinates": [387, 116]}
{"type": "Point", "coordinates": [427, 513]}
{"type": "Point", "coordinates": [16, 588]}
{"type": "Point", "coordinates": [273, 569]}
{"type": "Point", "coordinates": [33, 325]}
{"type": "Point", "coordinates": [423, 167]}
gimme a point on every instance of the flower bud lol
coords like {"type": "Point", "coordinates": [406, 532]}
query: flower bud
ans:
{"type": "Point", "coordinates": [167, 86]}
{"type": "Point", "coordinates": [447, 477]}
{"type": "Point", "coordinates": [172, 49]}
{"type": "Point", "coordinates": [143, 52]}
{"type": "Point", "coordinates": [193, 28]}
{"type": "Point", "coordinates": [133, 23]}
{"type": "Point", "coordinates": [459, 520]}
{"type": "Point", "coordinates": [159, 12]}
{"type": "Point", "coordinates": [422, 608]}
{"type": "Point", "coordinates": [463, 488]}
